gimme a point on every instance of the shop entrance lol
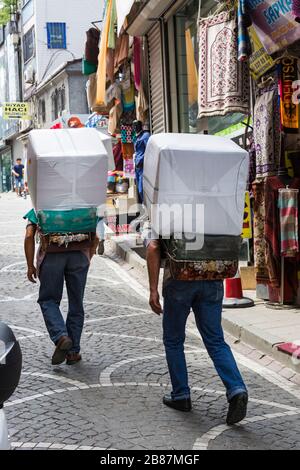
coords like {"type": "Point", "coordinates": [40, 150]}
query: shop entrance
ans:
{"type": "Point", "coordinates": [5, 171]}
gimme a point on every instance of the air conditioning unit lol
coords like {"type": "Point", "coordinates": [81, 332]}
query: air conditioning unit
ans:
{"type": "Point", "coordinates": [29, 76]}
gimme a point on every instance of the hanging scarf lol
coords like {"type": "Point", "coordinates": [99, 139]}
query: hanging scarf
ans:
{"type": "Point", "coordinates": [288, 206]}
{"type": "Point", "coordinates": [243, 37]}
{"type": "Point", "coordinates": [102, 66]}
{"type": "Point", "coordinates": [137, 62]}
{"type": "Point", "coordinates": [289, 111]}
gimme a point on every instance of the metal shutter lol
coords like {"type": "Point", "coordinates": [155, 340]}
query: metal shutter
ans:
{"type": "Point", "coordinates": [156, 80]}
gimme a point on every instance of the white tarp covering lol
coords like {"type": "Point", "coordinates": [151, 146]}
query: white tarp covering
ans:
{"type": "Point", "coordinates": [187, 169]}
{"type": "Point", "coordinates": [67, 169]}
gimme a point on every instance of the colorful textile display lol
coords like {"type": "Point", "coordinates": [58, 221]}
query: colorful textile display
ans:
{"type": "Point", "coordinates": [114, 118]}
{"type": "Point", "coordinates": [191, 68]}
{"type": "Point", "coordinates": [127, 151]}
{"type": "Point", "coordinates": [137, 62]}
{"type": "Point", "coordinates": [92, 96]}
{"type": "Point", "coordinates": [142, 106]}
{"type": "Point", "coordinates": [111, 43]}
{"type": "Point", "coordinates": [126, 134]}
{"type": "Point", "coordinates": [267, 132]}
{"type": "Point", "coordinates": [128, 96]}
{"type": "Point", "coordinates": [92, 45]}
{"type": "Point", "coordinates": [288, 206]}
{"type": "Point", "coordinates": [122, 50]}
{"type": "Point", "coordinates": [258, 189]}
{"type": "Point", "coordinates": [272, 237]}
{"type": "Point", "coordinates": [117, 152]}
{"type": "Point", "coordinates": [289, 111]}
{"type": "Point", "coordinates": [223, 80]}
{"type": "Point", "coordinates": [296, 10]}
{"type": "Point", "coordinates": [101, 73]}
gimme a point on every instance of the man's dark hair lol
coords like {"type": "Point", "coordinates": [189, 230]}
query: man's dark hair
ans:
{"type": "Point", "coordinates": [19, 159]}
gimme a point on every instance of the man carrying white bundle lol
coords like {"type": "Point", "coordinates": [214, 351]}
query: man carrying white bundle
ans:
{"type": "Point", "coordinates": [60, 260]}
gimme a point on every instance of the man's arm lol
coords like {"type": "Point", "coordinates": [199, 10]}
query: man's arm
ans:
{"type": "Point", "coordinates": [15, 173]}
{"type": "Point", "coordinates": [29, 246]}
{"type": "Point", "coordinates": [153, 263]}
{"type": "Point", "coordinates": [93, 249]}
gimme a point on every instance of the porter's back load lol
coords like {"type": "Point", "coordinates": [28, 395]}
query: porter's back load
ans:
{"type": "Point", "coordinates": [185, 172]}
{"type": "Point", "coordinates": [194, 188]}
{"type": "Point", "coordinates": [67, 173]}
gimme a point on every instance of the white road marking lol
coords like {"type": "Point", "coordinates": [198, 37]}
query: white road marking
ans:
{"type": "Point", "coordinates": [58, 378]}
{"type": "Point", "coordinates": [55, 446]}
{"type": "Point", "coordinates": [32, 333]}
{"type": "Point", "coordinates": [105, 280]}
{"type": "Point", "coordinates": [140, 338]}
{"type": "Point", "coordinates": [14, 299]}
{"type": "Point", "coordinates": [204, 441]}
{"type": "Point", "coordinates": [10, 267]}
{"type": "Point", "coordinates": [105, 375]}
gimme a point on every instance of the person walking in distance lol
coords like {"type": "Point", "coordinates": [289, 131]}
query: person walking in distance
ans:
{"type": "Point", "coordinates": [18, 173]}
{"type": "Point", "coordinates": [60, 261]}
{"type": "Point", "coordinates": [205, 299]}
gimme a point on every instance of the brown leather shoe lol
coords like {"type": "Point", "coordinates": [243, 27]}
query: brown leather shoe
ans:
{"type": "Point", "coordinates": [63, 345]}
{"type": "Point", "coordinates": [73, 358]}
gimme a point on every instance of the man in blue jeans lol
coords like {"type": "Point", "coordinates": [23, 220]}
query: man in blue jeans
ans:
{"type": "Point", "coordinates": [205, 299]}
{"type": "Point", "coordinates": [58, 263]}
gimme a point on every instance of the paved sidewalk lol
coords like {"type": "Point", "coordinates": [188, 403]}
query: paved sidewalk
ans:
{"type": "Point", "coordinates": [113, 398]}
{"type": "Point", "coordinates": [261, 326]}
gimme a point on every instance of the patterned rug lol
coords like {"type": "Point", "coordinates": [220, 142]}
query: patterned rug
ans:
{"type": "Point", "coordinates": [223, 80]}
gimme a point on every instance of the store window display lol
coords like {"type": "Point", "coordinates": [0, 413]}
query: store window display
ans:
{"type": "Point", "coordinates": [189, 59]}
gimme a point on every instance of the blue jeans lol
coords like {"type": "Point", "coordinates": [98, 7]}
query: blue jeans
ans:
{"type": "Point", "coordinates": [139, 174]}
{"type": "Point", "coordinates": [56, 268]}
{"type": "Point", "coordinates": [205, 299]}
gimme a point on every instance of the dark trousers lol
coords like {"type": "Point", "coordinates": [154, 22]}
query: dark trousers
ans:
{"type": "Point", "coordinates": [205, 299]}
{"type": "Point", "coordinates": [56, 268]}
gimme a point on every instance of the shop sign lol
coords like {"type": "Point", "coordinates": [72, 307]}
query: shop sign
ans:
{"type": "Point", "coordinates": [274, 23]}
{"type": "Point", "coordinates": [260, 62]}
{"type": "Point", "coordinates": [16, 111]}
{"type": "Point", "coordinates": [247, 222]}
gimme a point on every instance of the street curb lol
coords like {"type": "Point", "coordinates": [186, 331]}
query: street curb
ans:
{"type": "Point", "coordinates": [250, 335]}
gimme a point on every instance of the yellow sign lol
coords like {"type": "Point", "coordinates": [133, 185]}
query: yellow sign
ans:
{"type": "Point", "coordinates": [247, 223]}
{"type": "Point", "coordinates": [260, 62]}
{"type": "Point", "coordinates": [16, 111]}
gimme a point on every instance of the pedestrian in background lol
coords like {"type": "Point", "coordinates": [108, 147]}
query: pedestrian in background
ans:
{"type": "Point", "coordinates": [142, 138]}
{"type": "Point", "coordinates": [205, 298]}
{"type": "Point", "coordinates": [18, 173]}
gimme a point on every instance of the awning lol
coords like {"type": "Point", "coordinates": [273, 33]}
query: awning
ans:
{"type": "Point", "coordinates": [153, 10]}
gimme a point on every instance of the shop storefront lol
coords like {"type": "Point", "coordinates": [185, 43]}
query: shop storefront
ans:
{"type": "Point", "coordinates": [5, 169]}
{"type": "Point", "coordinates": [229, 71]}
{"type": "Point", "coordinates": [226, 68]}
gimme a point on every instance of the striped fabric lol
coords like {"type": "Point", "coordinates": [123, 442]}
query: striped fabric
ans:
{"type": "Point", "coordinates": [288, 207]}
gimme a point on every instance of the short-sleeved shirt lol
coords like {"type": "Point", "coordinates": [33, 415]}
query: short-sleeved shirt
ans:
{"type": "Point", "coordinates": [19, 170]}
{"type": "Point", "coordinates": [40, 256]}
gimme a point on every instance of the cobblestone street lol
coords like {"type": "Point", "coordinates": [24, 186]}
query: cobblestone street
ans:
{"type": "Point", "coordinates": [113, 398]}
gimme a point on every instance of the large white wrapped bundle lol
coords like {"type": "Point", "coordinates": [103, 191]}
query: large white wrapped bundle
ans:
{"type": "Point", "coordinates": [67, 169]}
{"type": "Point", "coordinates": [185, 172]}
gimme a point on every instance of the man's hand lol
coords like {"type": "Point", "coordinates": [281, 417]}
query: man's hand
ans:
{"type": "Point", "coordinates": [155, 303]}
{"type": "Point", "coordinates": [31, 274]}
